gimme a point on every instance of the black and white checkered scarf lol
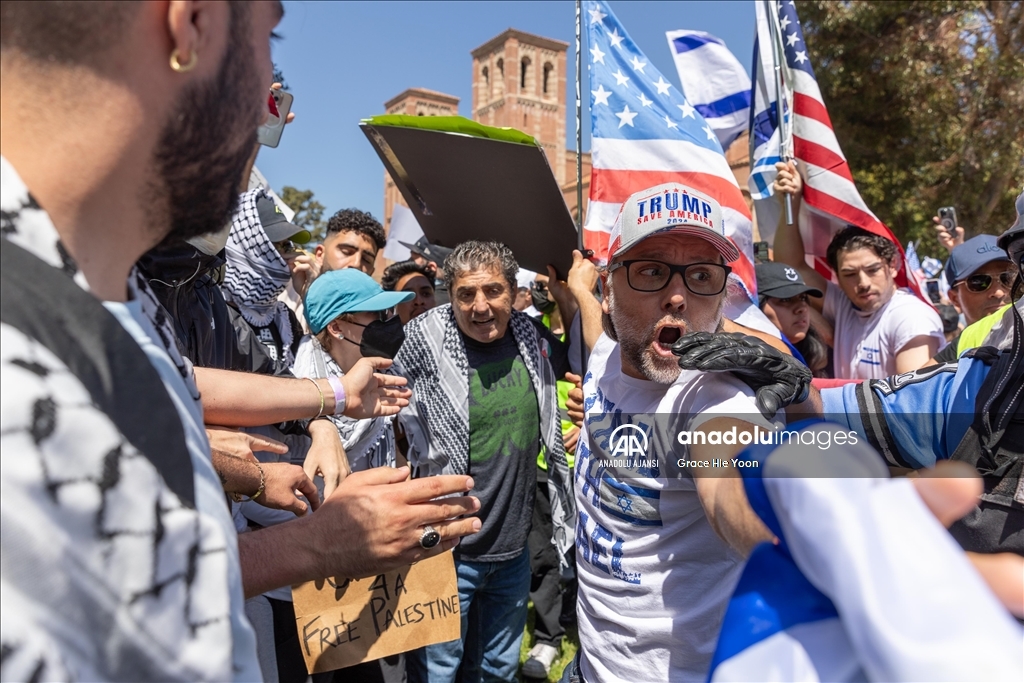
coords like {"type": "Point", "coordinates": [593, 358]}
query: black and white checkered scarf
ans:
{"type": "Point", "coordinates": [433, 358]}
{"type": "Point", "coordinates": [256, 274]}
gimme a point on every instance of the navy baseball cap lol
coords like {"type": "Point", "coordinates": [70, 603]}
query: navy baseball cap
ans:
{"type": "Point", "coordinates": [967, 258]}
{"type": "Point", "coordinates": [780, 281]}
{"type": "Point", "coordinates": [431, 252]}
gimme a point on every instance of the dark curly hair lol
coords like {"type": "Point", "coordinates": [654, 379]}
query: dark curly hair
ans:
{"type": "Point", "coordinates": [396, 271]}
{"type": "Point", "coordinates": [354, 220]}
{"type": "Point", "coordinates": [475, 254]}
{"type": "Point", "coordinates": [852, 238]}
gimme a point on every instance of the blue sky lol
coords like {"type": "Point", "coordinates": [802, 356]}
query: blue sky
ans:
{"type": "Point", "coordinates": [343, 60]}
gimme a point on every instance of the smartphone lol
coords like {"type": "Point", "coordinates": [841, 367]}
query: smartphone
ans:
{"type": "Point", "coordinates": [947, 217]}
{"type": "Point", "coordinates": [279, 103]}
{"type": "Point", "coordinates": [761, 252]}
{"type": "Point", "coordinates": [932, 287]}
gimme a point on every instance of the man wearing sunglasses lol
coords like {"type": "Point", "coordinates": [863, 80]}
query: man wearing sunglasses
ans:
{"type": "Point", "coordinates": [980, 276]}
{"type": "Point", "coordinates": [659, 550]}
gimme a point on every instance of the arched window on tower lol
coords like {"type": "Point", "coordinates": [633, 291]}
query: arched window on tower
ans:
{"type": "Point", "coordinates": [524, 70]}
{"type": "Point", "coordinates": [501, 68]}
{"type": "Point", "coordinates": [548, 72]}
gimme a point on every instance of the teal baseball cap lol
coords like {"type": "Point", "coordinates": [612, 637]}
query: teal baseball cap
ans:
{"type": "Point", "coordinates": [347, 291]}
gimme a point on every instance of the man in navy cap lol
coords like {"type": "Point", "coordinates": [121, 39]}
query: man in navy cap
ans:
{"type": "Point", "coordinates": [980, 275]}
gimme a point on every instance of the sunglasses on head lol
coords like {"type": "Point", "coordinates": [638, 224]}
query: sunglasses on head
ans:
{"type": "Point", "coordinates": [980, 282]}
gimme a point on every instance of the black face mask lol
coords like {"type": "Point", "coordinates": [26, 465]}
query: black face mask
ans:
{"type": "Point", "coordinates": [381, 338]}
{"type": "Point", "coordinates": [541, 301]}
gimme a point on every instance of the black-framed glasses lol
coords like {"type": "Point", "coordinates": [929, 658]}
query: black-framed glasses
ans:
{"type": "Point", "coordinates": [704, 279]}
{"type": "Point", "coordinates": [980, 282]}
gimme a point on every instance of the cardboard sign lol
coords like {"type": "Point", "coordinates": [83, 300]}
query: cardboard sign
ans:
{"type": "Point", "coordinates": [342, 623]}
{"type": "Point", "coordinates": [464, 187]}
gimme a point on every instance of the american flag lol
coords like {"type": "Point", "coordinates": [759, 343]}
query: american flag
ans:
{"type": "Point", "coordinates": [830, 197]}
{"type": "Point", "coordinates": [644, 133]}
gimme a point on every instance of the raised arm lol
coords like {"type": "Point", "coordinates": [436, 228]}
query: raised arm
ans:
{"type": "Point", "coordinates": [722, 495]}
{"type": "Point", "coordinates": [582, 281]}
{"type": "Point", "coordinates": [789, 245]}
{"type": "Point", "coordinates": [240, 399]}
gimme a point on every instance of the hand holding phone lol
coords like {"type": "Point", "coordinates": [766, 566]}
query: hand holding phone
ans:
{"type": "Point", "coordinates": [279, 103]}
{"type": "Point", "coordinates": [946, 229]}
{"type": "Point", "coordinates": [947, 219]}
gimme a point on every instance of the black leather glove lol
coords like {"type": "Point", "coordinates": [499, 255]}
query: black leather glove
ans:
{"type": "Point", "coordinates": [777, 379]}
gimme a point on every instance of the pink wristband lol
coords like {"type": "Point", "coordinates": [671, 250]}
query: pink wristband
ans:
{"type": "Point", "coordinates": [339, 394]}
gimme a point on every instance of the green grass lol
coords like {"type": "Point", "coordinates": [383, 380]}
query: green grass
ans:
{"type": "Point", "coordinates": [570, 643]}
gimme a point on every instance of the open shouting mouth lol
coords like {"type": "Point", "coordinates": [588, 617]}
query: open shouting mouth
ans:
{"type": "Point", "coordinates": [667, 335]}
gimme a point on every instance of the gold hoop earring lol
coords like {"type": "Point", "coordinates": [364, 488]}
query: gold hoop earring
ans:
{"type": "Point", "coordinates": [176, 64]}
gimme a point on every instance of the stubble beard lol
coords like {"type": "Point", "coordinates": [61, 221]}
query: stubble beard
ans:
{"type": "Point", "coordinates": [206, 144]}
{"type": "Point", "coordinates": [636, 340]}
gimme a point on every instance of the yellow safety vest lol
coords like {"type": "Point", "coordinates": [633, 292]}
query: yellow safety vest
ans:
{"type": "Point", "coordinates": [975, 333]}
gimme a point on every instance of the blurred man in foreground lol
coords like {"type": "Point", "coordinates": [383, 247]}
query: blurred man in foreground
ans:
{"type": "Point", "coordinates": [119, 557]}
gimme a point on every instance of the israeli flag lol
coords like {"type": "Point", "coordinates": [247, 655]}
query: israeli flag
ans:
{"type": "Point", "coordinates": [864, 584]}
{"type": "Point", "coordinates": [714, 82]}
{"type": "Point", "coordinates": [765, 132]}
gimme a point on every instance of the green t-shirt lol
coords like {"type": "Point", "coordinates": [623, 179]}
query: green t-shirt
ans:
{"type": "Point", "coordinates": [504, 436]}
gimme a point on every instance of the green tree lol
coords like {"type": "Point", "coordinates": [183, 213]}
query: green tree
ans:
{"type": "Point", "coordinates": [308, 211]}
{"type": "Point", "coordinates": [926, 99]}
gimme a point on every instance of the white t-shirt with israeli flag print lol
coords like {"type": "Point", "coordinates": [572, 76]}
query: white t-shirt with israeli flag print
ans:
{"type": "Point", "coordinates": [866, 344]}
{"type": "Point", "coordinates": [654, 577]}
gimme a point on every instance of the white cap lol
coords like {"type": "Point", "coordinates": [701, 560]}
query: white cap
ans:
{"type": "Point", "coordinates": [670, 208]}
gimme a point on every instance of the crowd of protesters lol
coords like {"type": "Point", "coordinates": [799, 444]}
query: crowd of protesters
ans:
{"type": "Point", "coordinates": [200, 411]}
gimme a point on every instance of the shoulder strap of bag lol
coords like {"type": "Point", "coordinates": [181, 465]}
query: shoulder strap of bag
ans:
{"type": "Point", "coordinates": [47, 306]}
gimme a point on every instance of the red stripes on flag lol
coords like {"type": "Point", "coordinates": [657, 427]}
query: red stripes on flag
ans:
{"type": "Point", "coordinates": [822, 191]}
{"type": "Point", "coordinates": [822, 156]}
{"type": "Point", "coordinates": [615, 186]}
{"type": "Point", "coordinates": [806, 105]}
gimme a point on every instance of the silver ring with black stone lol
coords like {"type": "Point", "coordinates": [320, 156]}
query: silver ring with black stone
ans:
{"type": "Point", "coordinates": [429, 538]}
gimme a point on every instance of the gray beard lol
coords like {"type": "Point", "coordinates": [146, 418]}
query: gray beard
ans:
{"type": "Point", "coordinates": [636, 342]}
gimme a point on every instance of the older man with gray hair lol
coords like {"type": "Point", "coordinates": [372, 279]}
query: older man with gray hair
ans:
{"type": "Point", "coordinates": [483, 379]}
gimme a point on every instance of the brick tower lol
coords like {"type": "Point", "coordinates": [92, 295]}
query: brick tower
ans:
{"type": "Point", "coordinates": [413, 102]}
{"type": "Point", "coordinates": [519, 82]}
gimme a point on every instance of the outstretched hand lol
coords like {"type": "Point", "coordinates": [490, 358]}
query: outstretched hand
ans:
{"type": "Point", "coordinates": [776, 379]}
{"type": "Point", "coordinates": [283, 484]}
{"type": "Point", "coordinates": [239, 444]}
{"type": "Point", "coordinates": [369, 393]}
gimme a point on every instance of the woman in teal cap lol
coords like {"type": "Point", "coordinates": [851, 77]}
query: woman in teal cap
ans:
{"type": "Point", "coordinates": [351, 317]}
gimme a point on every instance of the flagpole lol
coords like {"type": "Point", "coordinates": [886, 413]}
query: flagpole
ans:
{"type": "Point", "coordinates": [778, 54]}
{"type": "Point", "coordinates": [579, 130]}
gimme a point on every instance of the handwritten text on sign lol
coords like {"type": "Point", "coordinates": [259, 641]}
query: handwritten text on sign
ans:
{"type": "Point", "coordinates": [342, 623]}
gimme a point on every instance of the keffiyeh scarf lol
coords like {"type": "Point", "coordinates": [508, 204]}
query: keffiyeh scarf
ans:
{"type": "Point", "coordinates": [433, 359]}
{"type": "Point", "coordinates": [256, 274]}
{"type": "Point", "coordinates": [367, 443]}
{"type": "Point", "coordinates": [106, 574]}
